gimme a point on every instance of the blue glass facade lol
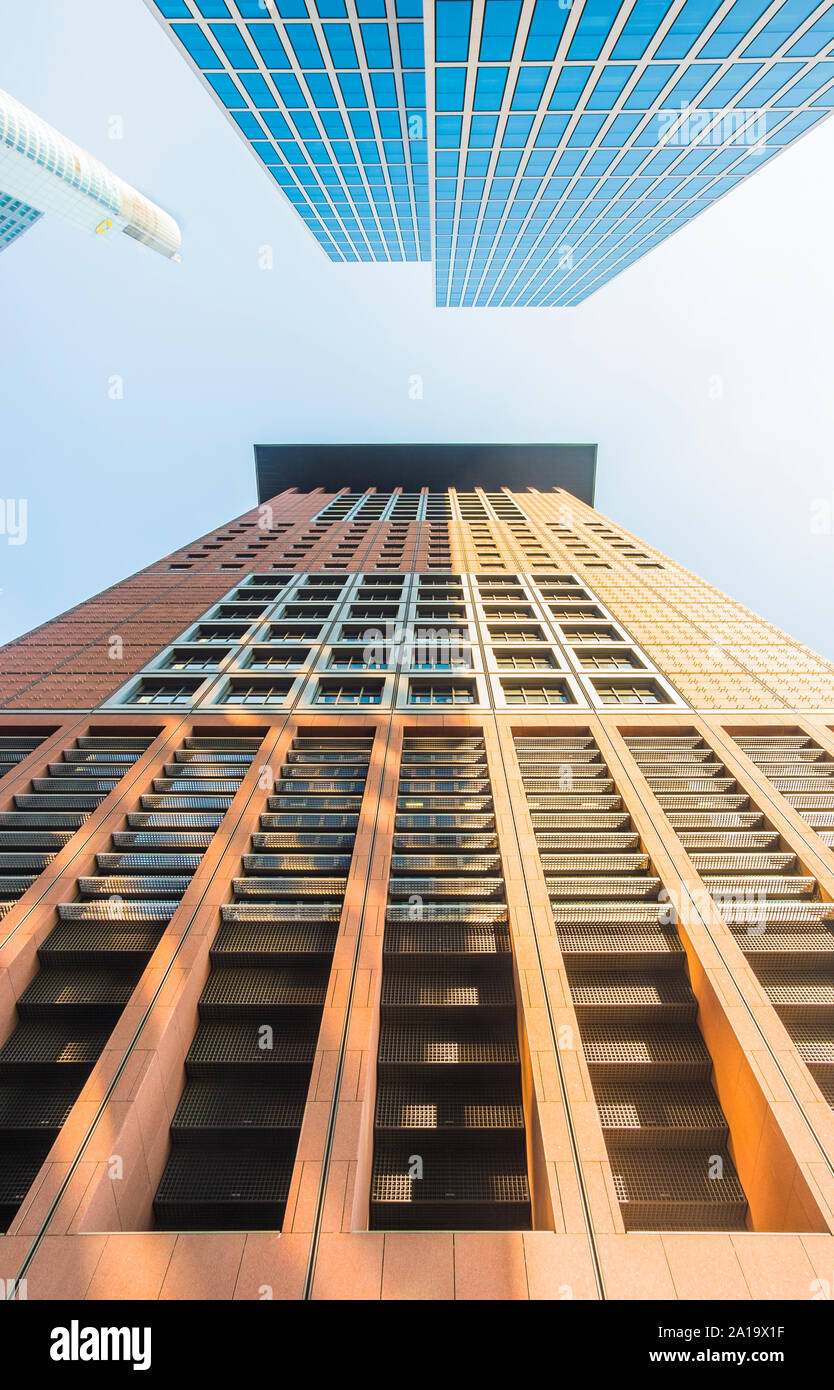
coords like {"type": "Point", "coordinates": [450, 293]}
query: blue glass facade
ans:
{"type": "Point", "coordinates": [332, 98]}
{"type": "Point", "coordinates": [15, 218]}
{"type": "Point", "coordinates": [532, 149]}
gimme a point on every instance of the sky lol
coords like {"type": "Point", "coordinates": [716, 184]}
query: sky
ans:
{"type": "Point", "coordinates": [704, 372]}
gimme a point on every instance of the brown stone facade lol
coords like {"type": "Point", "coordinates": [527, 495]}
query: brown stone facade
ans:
{"type": "Point", "coordinates": [86, 1227]}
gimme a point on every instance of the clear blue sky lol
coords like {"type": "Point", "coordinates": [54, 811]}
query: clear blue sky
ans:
{"type": "Point", "coordinates": [217, 354]}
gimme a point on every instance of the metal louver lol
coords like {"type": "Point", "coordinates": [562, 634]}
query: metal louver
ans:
{"type": "Point", "coordinates": [92, 959]}
{"type": "Point", "coordinates": [449, 1141]}
{"type": "Point", "coordinates": [649, 1065]}
{"type": "Point", "coordinates": [235, 1131]}
{"type": "Point", "coordinates": [774, 911]}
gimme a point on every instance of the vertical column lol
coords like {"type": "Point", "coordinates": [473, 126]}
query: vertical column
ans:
{"type": "Point", "coordinates": [449, 1141]}
{"type": "Point", "coordinates": [235, 1132]}
{"type": "Point", "coordinates": [66, 1013]}
{"type": "Point", "coordinates": [664, 1128]}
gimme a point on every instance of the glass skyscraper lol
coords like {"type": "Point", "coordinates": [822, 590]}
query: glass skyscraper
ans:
{"type": "Point", "coordinates": [532, 149]}
{"type": "Point", "coordinates": [15, 218]}
{"type": "Point", "coordinates": [41, 171]}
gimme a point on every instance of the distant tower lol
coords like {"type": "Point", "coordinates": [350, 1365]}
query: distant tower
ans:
{"type": "Point", "coordinates": [41, 171]}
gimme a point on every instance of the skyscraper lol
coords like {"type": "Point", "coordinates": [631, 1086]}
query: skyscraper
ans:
{"type": "Point", "coordinates": [42, 171]}
{"type": "Point", "coordinates": [15, 218]}
{"type": "Point", "coordinates": [532, 149]}
{"type": "Point", "coordinates": [443, 878]}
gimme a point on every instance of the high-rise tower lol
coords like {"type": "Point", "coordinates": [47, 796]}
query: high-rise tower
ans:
{"type": "Point", "coordinates": [532, 149]}
{"type": "Point", "coordinates": [41, 171]}
{"type": "Point", "coordinates": [440, 876]}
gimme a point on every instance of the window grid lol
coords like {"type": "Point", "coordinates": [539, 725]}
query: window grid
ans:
{"type": "Point", "coordinates": [238, 639]}
{"type": "Point", "coordinates": [441, 693]}
{"type": "Point", "coordinates": [642, 693]}
{"type": "Point", "coordinates": [528, 693]}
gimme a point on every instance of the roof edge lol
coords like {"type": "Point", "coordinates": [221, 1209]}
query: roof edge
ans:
{"type": "Point", "coordinates": [332, 467]}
